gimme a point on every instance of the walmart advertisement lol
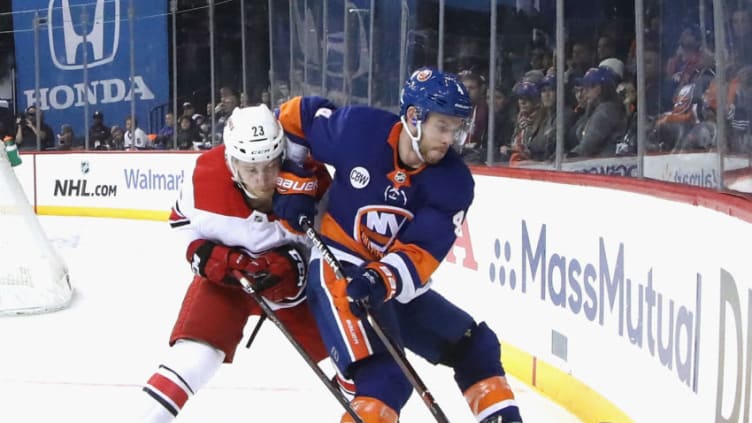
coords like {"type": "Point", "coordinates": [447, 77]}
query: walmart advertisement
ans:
{"type": "Point", "coordinates": [81, 50]}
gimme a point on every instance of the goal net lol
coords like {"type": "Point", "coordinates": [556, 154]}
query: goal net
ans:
{"type": "Point", "coordinates": [33, 277]}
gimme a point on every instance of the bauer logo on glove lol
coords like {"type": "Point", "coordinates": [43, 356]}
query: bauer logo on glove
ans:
{"type": "Point", "coordinates": [288, 185]}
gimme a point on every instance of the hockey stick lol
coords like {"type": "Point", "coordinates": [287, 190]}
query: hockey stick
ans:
{"type": "Point", "coordinates": [397, 354]}
{"type": "Point", "coordinates": [269, 313]}
{"type": "Point", "coordinates": [255, 330]}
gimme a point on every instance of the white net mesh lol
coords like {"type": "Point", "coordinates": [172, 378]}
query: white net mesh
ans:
{"type": "Point", "coordinates": [33, 277]}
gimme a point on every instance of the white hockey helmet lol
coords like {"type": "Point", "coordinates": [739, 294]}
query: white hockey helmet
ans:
{"type": "Point", "coordinates": [252, 135]}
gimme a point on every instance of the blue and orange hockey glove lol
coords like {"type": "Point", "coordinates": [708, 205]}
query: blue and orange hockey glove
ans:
{"type": "Point", "coordinates": [295, 196]}
{"type": "Point", "coordinates": [371, 286]}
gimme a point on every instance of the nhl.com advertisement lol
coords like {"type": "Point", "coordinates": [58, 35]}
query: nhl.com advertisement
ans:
{"type": "Point", "coordinates": [83, 50]}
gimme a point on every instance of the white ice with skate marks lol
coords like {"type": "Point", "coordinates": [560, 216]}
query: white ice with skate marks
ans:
{"type": "Point", "coordinates": [87, 363]}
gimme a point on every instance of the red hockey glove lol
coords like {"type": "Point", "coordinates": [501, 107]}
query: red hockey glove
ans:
{"type": "Point", "coordinates": [296, 195]}
{"type": "Point", "coordinates": [214, 261]}
{"type": "Point", "coordinates": [280, 274]}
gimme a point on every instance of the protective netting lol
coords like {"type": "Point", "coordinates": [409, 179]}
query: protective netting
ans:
{"type": "Point", "coordinates": [33, 277]}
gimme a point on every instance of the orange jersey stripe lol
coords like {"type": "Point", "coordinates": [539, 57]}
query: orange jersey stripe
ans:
{"type": "Point", "coordinates": [352, 329]}
{"type": "Point", "coordinates": [333, 231]}
{"type": "Point", "coordinates": [425, 264]}
{"type": "Point", "coordinates": [289, 116]}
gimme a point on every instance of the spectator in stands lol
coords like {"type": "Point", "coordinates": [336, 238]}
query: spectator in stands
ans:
{"type": "Point", "coordinates": [474, 150]}
{"type": "Point", "coordinates": [135, 137]}
{"type": "Point", "coordinates": [673, 126]}
{"type": "Point", "coordinates": [540, 59]}
{"type": "Point", "coordinates": [164, 138]}
{"type": "Point", "coordinates": [26, 131]}
{"type": "Point", "coordinates": [535, 76]}
{"type": "Point", "coordinates": [505, 114]}
{"type": "Point", "coordinates": [627, 92]}
{"type": "Point", "coordinates": [202, 125]}
{"type": "Point", "coordinates": [740, 39]}
{"type": "Point", "coordinates": [542, 146]}
{"type": "Point", "coordinates": [606, 48]}
{"type": "Point", "coordinates": [579, 62]}
{"type": "Point", "coordinates": [283, 93]}
{"type": "Point", "coordinates": [117, 138]}
{"type": "Point", "coordinates": [616, 67]}
{"type": "Point", "coordinates": [689, 60]}
{"type": "Point", "coordinates": [188, 109]}
{"type": "Point", "coordinates": [529, 120]}
{"type": "Point", "coordinates": [658, 95]}
{"type": "Point", "coordinates": [702, 137]}
{"type": "Point", "coordinates": [229, 100]}
{"type": "Point", "coordinates": [580, 101]}
{"type": "Point", "coordinates": [244, 101]}
{"type": "Point", "coordinates": [65, 137]}
{"type": "Point", "coordinates": [188, 136]}
{"type": "Point", "coordinates": [266, 98]}
{"type": "Point", "coordinates": [100, 135]}
{"type": "Point", "coordinates": [740, 115]}
{"type": "Point", "coordinates": [602, 123]}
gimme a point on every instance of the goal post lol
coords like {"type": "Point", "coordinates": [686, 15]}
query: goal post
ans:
{"type": "Point", "coordinates": [33, 276]}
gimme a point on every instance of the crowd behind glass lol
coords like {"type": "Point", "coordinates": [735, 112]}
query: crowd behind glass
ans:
{"type": "Point", "coordinates": [600, 89]}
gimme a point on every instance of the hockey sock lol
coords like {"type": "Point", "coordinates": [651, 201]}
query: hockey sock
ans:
{"type": "Point", "coordinates": [370, 410]}
{"type": "Point", "coordinates": [493, 397]}
{"type": "Point", "coordinates": [190, 366]}
{"type": "Point", "coordinates": [345, 385]}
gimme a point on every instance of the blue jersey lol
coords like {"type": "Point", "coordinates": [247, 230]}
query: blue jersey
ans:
{"type": "Point", "coordinates": [379, 209]}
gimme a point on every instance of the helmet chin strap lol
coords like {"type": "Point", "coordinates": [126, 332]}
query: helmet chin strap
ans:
{"type": "Point", "coordinates": [415, 139]}
{"type": "Point", "coordinates": [237, 180]}
{"type": "Point", "coordinates": [245, 191]}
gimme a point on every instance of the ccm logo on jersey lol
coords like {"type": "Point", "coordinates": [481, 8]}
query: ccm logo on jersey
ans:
{"type": "Point", "coordinates": [291, 186]}
{"type": "Point", "coordinates": [300, 264]}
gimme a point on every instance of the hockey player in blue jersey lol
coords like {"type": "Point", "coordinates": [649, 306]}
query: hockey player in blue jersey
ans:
{"type": "Point", "coordinates": [398, 199]}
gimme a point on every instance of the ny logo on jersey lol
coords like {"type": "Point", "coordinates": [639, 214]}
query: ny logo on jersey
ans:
{"type": "Point", "coordinates": [377, 226]}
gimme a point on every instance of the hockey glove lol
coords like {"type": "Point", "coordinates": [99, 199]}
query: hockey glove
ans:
{"type": "Point", "coordinates": [280, 274]}
{"type": "Point", "coordinates": [296, 195]}
{"type": "Point", "coordinates": [215, 262]}
{"type": "Point", "coordinates": [373, 285]}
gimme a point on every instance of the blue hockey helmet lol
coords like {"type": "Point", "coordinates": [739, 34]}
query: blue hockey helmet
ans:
{"type": "Point", "coordinates": [431, 90]}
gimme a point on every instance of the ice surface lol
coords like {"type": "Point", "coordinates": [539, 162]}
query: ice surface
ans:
{"type": "Point", "coordinates": [87, 363]}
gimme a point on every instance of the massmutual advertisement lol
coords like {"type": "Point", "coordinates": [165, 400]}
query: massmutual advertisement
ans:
{"type": "Point", "coordinates": [83, 48]}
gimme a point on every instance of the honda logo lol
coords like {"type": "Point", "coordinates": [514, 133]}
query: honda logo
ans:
{"type": "Point", "coordinates": [66, 33]}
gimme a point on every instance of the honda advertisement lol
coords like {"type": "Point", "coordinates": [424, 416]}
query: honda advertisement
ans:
{"type": "Point", "coordinates": [82, 52]}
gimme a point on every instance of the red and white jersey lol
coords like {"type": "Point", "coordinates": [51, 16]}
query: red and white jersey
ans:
{"type": "Point", "coordinates": [210, 206]}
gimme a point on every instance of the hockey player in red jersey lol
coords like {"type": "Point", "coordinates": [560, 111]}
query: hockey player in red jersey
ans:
{"type": "Point", "coordinates": [399, 197]}
{"type": "Point", "coordinates": [225, 213]}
